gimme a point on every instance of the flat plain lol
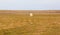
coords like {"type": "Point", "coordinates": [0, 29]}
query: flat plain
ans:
{"type": "Point", "coordinates": [21, 23]}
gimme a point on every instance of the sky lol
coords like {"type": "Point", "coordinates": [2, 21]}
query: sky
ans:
{"type": "Point", "coordinates": [29, 4]}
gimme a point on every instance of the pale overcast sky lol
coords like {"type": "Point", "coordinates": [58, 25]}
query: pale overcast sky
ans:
{"type": "Point", "coordinates": [29, 4]}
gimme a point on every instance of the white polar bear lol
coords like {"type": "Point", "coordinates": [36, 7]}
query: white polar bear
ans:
{"type": "Point", "coordinates": [31, 14]}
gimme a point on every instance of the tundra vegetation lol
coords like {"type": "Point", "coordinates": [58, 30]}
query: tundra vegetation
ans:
{"type": "Point", "coordinates": [24, 24]}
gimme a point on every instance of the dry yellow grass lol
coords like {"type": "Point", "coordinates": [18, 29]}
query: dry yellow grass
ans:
{"type": "Point", "coordinates": [23, 24]}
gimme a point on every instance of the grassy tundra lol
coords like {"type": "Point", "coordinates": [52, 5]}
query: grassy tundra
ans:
{"type": "Point", "coordinates": [23, 24]}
